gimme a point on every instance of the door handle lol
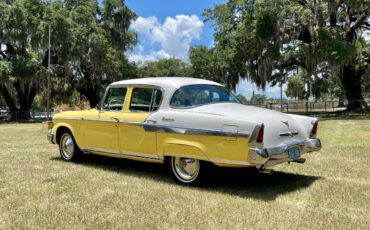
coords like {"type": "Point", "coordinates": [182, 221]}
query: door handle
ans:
{"type": "Point", "coordinates": [115, 119]}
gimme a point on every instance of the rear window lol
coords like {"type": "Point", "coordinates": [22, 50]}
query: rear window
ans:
{"type": "Point", "coordinates": [197, 95]}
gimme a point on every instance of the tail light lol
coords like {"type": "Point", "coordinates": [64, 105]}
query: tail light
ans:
{"type": "Point", "coordinates": [260, 135]}
{"type": "Point", "coordinates": [314, 129]}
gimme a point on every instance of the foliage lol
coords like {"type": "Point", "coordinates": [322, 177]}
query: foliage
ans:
{"type": "Point", "coordinates": [88, 44]}
{"type": "Point", "coordinates": [264, 40]}
{"type": "Point", "coordinates": [295, 87]}
{"type": "Point", "coordinates": [22, 52]}
{"type": "Point", "coordinates": [242, 98]}
{"type": "Point", "coordinates": [212, 64]}
{"type": "Point", "coordinates": [93, 44]}
{"type": "Point", "coordinates": [170, 67]}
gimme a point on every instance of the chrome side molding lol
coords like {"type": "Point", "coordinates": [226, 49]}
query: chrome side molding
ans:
{"type": "Point", "coordinates": [151, 126]}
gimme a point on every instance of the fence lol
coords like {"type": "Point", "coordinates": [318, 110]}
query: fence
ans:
{"type": "Point", "coordinates": [304, 107]}
{"type": "Point", "coordinates": [6, 115]}
{"type": "Point", "coordinates": [307, 107]}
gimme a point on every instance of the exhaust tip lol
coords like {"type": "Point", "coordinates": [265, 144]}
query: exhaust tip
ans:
{"type": "Point", "coordinates": [266, 171]}
{"type": "Point", "coordinates": [300, 160]}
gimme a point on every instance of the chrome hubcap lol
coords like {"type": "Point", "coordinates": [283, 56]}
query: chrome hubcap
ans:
{"type": "Point", "coordinates": [186, 169]}
{"type": "Point", "coordinates": [67, 146]}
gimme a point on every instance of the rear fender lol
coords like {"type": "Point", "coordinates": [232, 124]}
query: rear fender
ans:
{"type": "Point", "coordinates": [184, 148]}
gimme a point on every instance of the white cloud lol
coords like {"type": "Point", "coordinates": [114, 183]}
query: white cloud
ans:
{"type": "Point", "coordinates": [145, 25]}
{"type": "Point", "coordinates": [174, 36]}
{"type": "Point", "coordinates": [152, 56]}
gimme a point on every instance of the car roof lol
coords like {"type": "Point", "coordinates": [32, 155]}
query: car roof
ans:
{"type": "Point", "coordinates": [167, 83]}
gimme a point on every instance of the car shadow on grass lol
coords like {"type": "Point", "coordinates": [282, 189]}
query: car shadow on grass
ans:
{"type": "Point", "coordinates": [242, 182]}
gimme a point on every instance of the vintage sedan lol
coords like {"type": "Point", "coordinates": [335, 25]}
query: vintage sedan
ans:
{"type": "Point", "coordinates": [185, 123]}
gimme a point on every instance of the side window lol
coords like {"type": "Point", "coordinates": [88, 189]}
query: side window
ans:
{"type": "Point", "coordinates": [145, 99]}
{"type": "Point", "coordinates": [115, 99]}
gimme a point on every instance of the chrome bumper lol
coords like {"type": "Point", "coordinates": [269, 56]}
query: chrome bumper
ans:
{"type": "Point", "coordinates": [50, 137]}
{"type": "Point", "coordinates": [265, 157]}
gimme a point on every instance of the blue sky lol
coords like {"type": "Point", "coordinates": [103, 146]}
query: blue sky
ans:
{"type": "Point", "coordinates": [168, 28]}
{"type": "Point", "coordinates": [162, 9]}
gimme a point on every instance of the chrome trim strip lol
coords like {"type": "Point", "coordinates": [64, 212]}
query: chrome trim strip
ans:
{"type": "Point", "coordinates": [102, 120]}
{"type": "Point", "coordinates": [231, 162]}
{"type": "Point", "coordinates": [170, 154]}
{"type": "Point", "coordinates": [123, 153]}
{"type": "Point", "coordinates": [213, 160]}
{"type": "Point", "coordinates": [192, 131]}
{"type": "Point", "coordinates": [172, 129]}
{"type": "Point", "coordinates": [66, 118]}
{"type": "Point", "coordinates": [290, 133]}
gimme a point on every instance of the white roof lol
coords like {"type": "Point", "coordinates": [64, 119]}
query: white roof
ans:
{"type": "Point", "coordinates": [168, 84]}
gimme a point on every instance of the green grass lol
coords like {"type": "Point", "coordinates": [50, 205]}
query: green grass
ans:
{"type": "Point", "coordinates": [38, 190]}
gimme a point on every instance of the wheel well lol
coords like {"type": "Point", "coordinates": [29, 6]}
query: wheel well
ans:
{"type": "Point", "coordinates": [167, 159]}
{"type": "Point", "coordinates": [59, 132]}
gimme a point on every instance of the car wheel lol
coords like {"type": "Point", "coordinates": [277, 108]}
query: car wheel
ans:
{"type": "Point", "coordinates": [186, 171]}
{"type": "Point", "coordinates": [68, 148]}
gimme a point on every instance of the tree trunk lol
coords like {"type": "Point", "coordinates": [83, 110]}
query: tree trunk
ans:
{"type": "Point", "coordinates": [351, 82]}
{"type": "Point", "coordinates": [93, 98]}
{"type": "Point", "coordinates": [341, 102]}
{"type": "Point", "coordinates": [25, 98]}
{"type": "Point", "coordinates": [91, 95]}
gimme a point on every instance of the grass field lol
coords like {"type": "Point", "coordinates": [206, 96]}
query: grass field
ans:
{"type": "Point", "coordinates": [39, 190]}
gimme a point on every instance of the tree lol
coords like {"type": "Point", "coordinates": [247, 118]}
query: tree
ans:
{"type": "Point", "coordinates": [92, 44]}
{"type": "Point", "coordinates": [211, 64]}
{"type": "Point", "coordinates": [266, 37]}
{"type": "Point", "coordinates": [170, 67]}
{"type": "Point", "coordinates": [22, 51]}
{"type": "Point", "coordinates": [88, 47]}
{"type": "Point", "coordinates": [242, 98]}
{"type": "Point", "coordinates": [202, 62]}
{"type": "Point", "coordinates": [295, 87]}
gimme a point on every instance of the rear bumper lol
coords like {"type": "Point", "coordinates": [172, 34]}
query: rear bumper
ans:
{"type": "Point", "coordinates": [265, 157]}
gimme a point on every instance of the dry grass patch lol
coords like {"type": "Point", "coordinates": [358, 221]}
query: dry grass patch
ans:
{"type": "Point", "coordinates": [39, 190]}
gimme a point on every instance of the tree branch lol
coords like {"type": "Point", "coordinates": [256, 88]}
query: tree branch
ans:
{"type": "Point", "coordinates": [333, 7]}
{"type": "Point", "coordinates": [291, 64]}
{"type": "Point", "coordinates": [304, 3]}
{"type": "Point", "coordinates": [361, 19]}
{"type": "Point", "coordinates": [8, 98]}
{"type": "Point", "coordinates": [4, 55]}
{"type": "Point", "coordinates": [358, 23]}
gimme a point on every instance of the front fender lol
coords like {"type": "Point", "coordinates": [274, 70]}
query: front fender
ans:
{"type": "Point", "coordinates": [71, 125]}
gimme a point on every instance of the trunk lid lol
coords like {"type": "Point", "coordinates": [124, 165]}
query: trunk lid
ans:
{"type": "Point", "coordinates": [280, 128]}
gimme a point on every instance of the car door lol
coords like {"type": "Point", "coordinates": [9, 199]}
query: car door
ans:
{"type": "Point", "coordinates": [101, 131]}
{"type": "Point", "coordinates": [133, 139]}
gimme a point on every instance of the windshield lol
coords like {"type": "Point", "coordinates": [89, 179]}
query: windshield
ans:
{"type": "Point", "coordinates": [196, 95]}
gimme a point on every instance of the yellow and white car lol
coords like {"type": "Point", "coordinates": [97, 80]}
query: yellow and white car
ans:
{"type": "Point", "coordinates": [183, 122]}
